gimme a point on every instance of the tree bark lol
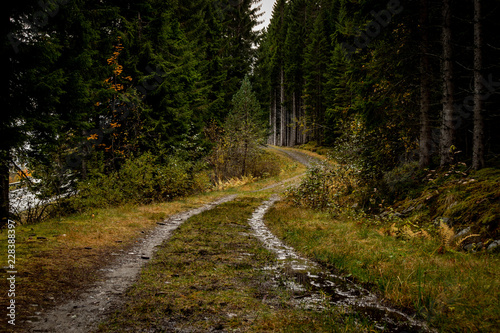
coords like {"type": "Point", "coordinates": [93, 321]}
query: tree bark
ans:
{"type": "Point", "coordinates": [304, 122]}
{"type": "Point", "coordinates": [425, 99]}
{"type": "Point", "coordinates": [4, 188]}
{"type": "Point", "coordinates": [283, 133]}
{"type": "Point", "coordinates": [272, 111]}
{"type": "Point", "coordinates": [275, 124]}
{"type": "Point", "coordinates": [478, 138]}
{"type": "Point", "coordinates": [447, 126]}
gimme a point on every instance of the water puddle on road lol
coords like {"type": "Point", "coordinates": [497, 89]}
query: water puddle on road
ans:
{"type": "Point", "coordinates": [313, 286]}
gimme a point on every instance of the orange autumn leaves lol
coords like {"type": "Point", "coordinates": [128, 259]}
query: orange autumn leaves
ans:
{"type": "Point", "coordinates": [117, 69]}
{"type": "Point", "coordinates": [115, 140]}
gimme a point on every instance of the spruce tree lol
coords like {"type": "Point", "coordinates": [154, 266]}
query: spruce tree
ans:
{"type": "Point", "coordinates": [243, 126]}
{"type": "Point", "coordinates": [295, 45]}
{"type": "Point", "coordinates": [315, 67]}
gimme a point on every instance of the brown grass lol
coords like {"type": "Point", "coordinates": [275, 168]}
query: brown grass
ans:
{"type": "Point", "coordinates": [74, 248]}
{"type": "Point", "coordinates": [452, 290]}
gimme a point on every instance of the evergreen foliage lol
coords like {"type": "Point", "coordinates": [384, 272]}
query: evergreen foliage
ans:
{"type": "Point", "coordinates": [353, 80]}
{"type": "Point", "coordinates": [91, 86]}
{"type": "Point", "coordinates": [111, 81]}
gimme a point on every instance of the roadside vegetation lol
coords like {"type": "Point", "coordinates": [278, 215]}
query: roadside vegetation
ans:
{"type": "Point", "coordinates": [409, 198]}
{"type": "Point", "coordinates": [202, 279]}
{"type": "Point", "coordinates": [425, 240]}
{"type": "Point", "coordinates": [454, 291]}
{"type": "Point", "coordinates": [213, 274]}
{"type": "Point", "coordinates": [60, 256]}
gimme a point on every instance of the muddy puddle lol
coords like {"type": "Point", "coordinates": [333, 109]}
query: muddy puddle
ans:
{"type": "Point", "coordinates": [315, 288]}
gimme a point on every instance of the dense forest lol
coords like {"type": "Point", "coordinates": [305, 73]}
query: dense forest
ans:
{"type": "Point", "coordinates": [169, 165]}
{"type": "Point", "coordinates": [93, 84]}
{"type": "Point", "coordinates": [95, 88]}
{"type": "Point", "coordinates": [384, 82]}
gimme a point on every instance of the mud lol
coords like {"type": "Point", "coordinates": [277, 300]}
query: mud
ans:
{"type": "Point", "coordinates": [85, 313]}
{"type": "Point", "coordinates": [315, 288]}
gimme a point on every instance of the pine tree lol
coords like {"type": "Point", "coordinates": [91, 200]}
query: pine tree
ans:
{"type": "Point", "coordinates": [277, 36]}
{"type": "Point", "coordinates": [425, 93]}
{"type": "Point", "coordinates": [294, 54]}
{"type": "Point", "coordinates": [315, 66]}
{"type": "Point", "coordinates": [51, 80]}
{"type": "Point", "coordinates": [478, 139]}
{"type": "Point", "coordinates": [447, 122]}
{"type": "Point", "coordinates": [243, 126]}
{"type": "Point", "coordinates": [239, 20]}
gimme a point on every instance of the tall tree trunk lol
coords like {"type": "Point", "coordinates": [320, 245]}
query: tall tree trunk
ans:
{"type": "Point", "coordinates": [4, 187]}
{"type": "Point", "coordinates": [271, 118]}
{"type": "Point", "coordinates": [447, 126]}
{"type": "Point", "coordinates": [293, 135]}
{"type": "Point", "coordinates": [245, 156]}
{"type": "Point", "coordinates": [425, 93]}
{"type": "Point", "coordinates": [478, 138]}
{"type": "Point", "coordinates": [283, 124]}
{"type": "Point", "coordinates": [271, 134]}
{"type": "Point", "coordinates": [275, 121]}
{"type": "Point", "coordinates": [319, 110]}
{"type": "Point", "coordinates": [304, 121]}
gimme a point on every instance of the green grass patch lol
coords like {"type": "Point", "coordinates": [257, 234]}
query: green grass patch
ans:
{"type": "Point", "coordinates": [454, 291]}
{"type": "Point", "coordinates": [210, 275]}
{"type": "Point", "coordinates": [465, 200]}
{"type": "Point", "coordinates": [58, 258]}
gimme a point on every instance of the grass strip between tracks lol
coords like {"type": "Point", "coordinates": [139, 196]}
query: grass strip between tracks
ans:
{"type": "Point", "coordinates": [211, 276]}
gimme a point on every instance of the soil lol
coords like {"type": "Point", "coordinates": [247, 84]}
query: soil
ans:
{"type": "Point", "coordinates": [85, 313]}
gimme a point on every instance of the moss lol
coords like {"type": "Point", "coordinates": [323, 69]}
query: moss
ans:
{"type": "Point", "coordinates": [468, 200]}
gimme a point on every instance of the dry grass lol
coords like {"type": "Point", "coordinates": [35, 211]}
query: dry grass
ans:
{"type": "Point", "coordinates": [454, 291]}
{"type": "Point", "coordinates": [73, 249]}
{"type": "Point", "coordinates": [56, 259]}
{"type": "Point", "coordinates": [233, 183]}
{"type": "Point", "coordinates": [307, 152]}
{"type": "Point", "coordinates": [211, 276]}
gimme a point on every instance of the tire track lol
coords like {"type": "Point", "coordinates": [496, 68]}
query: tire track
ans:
{"type": "Point", "coordinates": [318, 286]}
{"type": "Point", "coordinates": [85, 313]}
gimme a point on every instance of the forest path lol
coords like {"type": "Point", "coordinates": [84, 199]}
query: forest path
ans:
{"type": "Point", "coordinates": [83, 314]}
{"type": "Point", "coordinates": [95, 304]}
{"type": "Point", "coordinates": [223, 269]}
{"type": "Point", "coordinates": [297, 155]}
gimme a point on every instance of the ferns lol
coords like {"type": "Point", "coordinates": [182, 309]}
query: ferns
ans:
{"type": "Point", "coordinates": [449, 241]}
{"type": "Point", "coordinates": [446, 235]}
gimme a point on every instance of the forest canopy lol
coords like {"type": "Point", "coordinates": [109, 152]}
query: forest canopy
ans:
{"type": "Point", "coordinates": [91, 86]}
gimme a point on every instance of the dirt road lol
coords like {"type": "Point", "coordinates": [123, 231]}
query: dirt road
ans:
{"type": "Point", "coordinates": [255, 273]}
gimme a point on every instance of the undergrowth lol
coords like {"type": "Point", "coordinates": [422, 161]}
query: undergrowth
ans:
{"type": "Point", "coordinates": [452, 290]}
{"type": "Point", "coordinates": [412, 199]}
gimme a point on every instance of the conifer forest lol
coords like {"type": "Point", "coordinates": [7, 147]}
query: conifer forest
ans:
{"type": "Point", "coordinates": [110, 104]}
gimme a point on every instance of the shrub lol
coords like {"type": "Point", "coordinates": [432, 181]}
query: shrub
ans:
{"type": "Point", "coordinates": [140, 180]}
{"type": "Point", "coordinates": [264, 164]}
{"type": "Point", "coordinates": [399, 180]}
{"type": "Point", "coordinates": [326, 186]}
